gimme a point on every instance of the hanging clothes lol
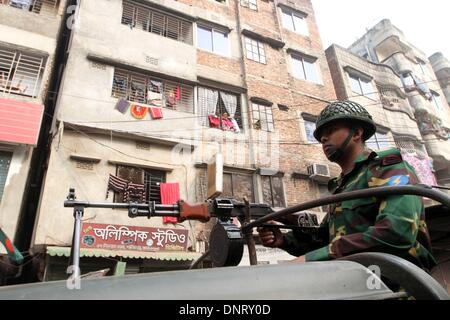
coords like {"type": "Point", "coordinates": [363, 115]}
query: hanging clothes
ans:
{"type": "Point", "coordinates": [214, 121]}
{"type": "Point", "coordinates": [139, 112]}
{"type": "Point", "coordinates": [156, 113]}
{"type": "Point", "coordinates": [122, 105]}
{"type": "Point", "coordinates": [170, 194]}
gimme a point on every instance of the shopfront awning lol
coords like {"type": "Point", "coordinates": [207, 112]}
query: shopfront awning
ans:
{"type": "Point", "coordinates": [103, 253]}
{"type": "Point", "coordinates": [20, 122]}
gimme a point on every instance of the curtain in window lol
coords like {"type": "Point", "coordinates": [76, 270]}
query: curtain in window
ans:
{"type": "Point", "coordinates": [230, 102]}
{"type": "Point", "coordinates": [207, 103]}
{"type": "Point", "coordinates": [170, 194]}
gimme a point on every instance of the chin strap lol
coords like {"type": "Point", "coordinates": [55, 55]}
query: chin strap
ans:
{"type": "Point", "coordinates": [339, 152]}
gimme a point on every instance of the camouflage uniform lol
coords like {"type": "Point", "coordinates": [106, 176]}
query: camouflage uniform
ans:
{"type": "Point", "coordinates": [395, 224]}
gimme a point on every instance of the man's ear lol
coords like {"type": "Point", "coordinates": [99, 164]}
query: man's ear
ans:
{"type": "Point", "coordinates": [358, 135]}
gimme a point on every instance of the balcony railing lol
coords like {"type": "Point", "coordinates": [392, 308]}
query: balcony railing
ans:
{"type": "Point", "coordinates": [43, 7]}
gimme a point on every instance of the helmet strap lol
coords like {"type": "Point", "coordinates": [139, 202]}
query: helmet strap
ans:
{"type": "Point", "coordinates": [339, 152]}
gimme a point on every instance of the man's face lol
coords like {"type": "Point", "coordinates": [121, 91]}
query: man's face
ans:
{"type": "Point", "coordinates": [333, 136]}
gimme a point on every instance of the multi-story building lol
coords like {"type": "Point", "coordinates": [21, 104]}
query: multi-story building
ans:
{"type": "Point", "coordinates": [380, 89]}
{"type": "Point", "coordinates": [29, 32]}
{"type": "Point", "coordinates": [386, 44]}
{"type": "Point", "coordinates": [151, 92]}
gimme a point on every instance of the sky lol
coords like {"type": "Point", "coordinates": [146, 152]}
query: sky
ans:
{"type": "Point", "coordinates": [425, 23]}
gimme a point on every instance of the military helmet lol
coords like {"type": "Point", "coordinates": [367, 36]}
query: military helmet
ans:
{"type": "Point", "coordinates": [345, 110]}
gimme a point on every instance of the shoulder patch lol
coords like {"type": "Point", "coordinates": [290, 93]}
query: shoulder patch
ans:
{"type": "Point", "coordinates": [391, 159]}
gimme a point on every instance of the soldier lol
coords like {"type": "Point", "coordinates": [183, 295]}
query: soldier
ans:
{"type": "Point", "coordinates": [394, 224]}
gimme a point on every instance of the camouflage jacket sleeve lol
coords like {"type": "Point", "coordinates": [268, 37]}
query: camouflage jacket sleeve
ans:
{"type": "Point", "coordinates": [396, 224]}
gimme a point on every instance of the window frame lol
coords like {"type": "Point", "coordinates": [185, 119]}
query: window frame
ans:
{"type": "Point", "coordinates": [18, 65]}
{"type": "Point", "coordinates": [360, 80]}
{"type": "Point", "coordinates": [437, 101]}
{"type": "Point", "coordinates": [212, 31]}
{"type": "Point", "coordinates": [261, 53]}
{"type": "Point", "coordinates": [378, 141]}
{"type": "Point", "coordinates": [169, 90]}
{"type": "Point", "coordinates": [290, 14]}
{"type": "Point", "coordinates": [305, 121]}
{"type": "Point", "coordinates": [257, 110]}
{"type": "Point", "coordinates": [297, 58]}
{"type": "Point", "coordinates": [118, 197]}
{"type": "Point", "coordinates": [272, 201]}
{"type": "Point", "coordinates": [248, 175]}
{"type": "Point", "coordinates": [251, 4]}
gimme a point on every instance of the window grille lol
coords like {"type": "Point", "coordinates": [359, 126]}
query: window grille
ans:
{"type": "Point", "coordinates": [20, 73]}
{"type": "Point", "coordinates": [147, 19]}
{"type": "Point", "coordinates": [150, 90]}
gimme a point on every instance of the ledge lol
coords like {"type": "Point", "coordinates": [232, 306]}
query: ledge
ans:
{"type": "Point", "coordinates": [75, 156]}
{"type": "Point", "coordinates": [146, 166]}
{"type": "Point", "coordinates": [278, 44]}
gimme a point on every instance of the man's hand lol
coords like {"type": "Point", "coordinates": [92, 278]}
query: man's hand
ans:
{"type": "Point", "coordinates": [300, 259]}
{"type": "Point", "coordinates": [271, 237]}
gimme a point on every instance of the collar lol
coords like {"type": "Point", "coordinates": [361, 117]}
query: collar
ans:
{"type": "Point", "coordinates": [366, 156]}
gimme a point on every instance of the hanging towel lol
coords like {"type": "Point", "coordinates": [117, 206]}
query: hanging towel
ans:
{"type": "Point", "coordinates": [156, 113]}
{"type": "Point", "coordinates": [139, 112]}
{"type": "Point", "coordinates": [122, 105]}
{"type": "Point", "coordinates": [134, 193]}
{"type": "Point", "coordinates": [170, 194]}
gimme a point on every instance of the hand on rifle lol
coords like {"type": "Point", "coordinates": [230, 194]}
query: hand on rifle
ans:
{"type": "Point", "coordinates": [271, 237]}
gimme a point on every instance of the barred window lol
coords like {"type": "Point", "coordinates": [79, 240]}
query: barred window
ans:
{"type": "Point", "coordinates": [251, 4]}
{"type": "Point", "coordinates": [273, 194]}
{"type": "Point", "coordinates": [255, 50]}
{"type": "Point", "coordinates": [151, 179]}
{"type": "Point", "coordinates": [150, 90]}
{"type": "Point", "coordinates": [310, 127]}
{"type": "Point", "coordinates": [20, 72]}
{"type": "Point", "coordinates": [262, 117]}
{"type": "Point", "coordinates": [43, 7]}
{"type": "Point", "coordinates": [148, 19]}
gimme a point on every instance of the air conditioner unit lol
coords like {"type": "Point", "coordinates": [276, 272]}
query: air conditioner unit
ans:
{"type": "Point", "coordinates": [319, 172]}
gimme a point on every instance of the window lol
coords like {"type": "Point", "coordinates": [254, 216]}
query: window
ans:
{"type": "Point", "coordinates": [262, 117]}
{"type": "Point", "coordinates": [408, 81]}
{"type": "Point", "coordinates": [378, 141]}
{"type": "Point", "coordinates": [305, 69]}
{"type": "Point", "coordinates": [361, 86]}
{"type": "Point", "coordinates": [5, 162]}
{"type": "Point", "coordinates": [144, 18]}
{"type": "Point", "coordinates": [151, 179]}
{"type": "Point", "coordinates": [238, 186]}
{"type": "Point", "coordinates": [150, 90]}
{"type": "Point", "coordinates": [251, 4]}
{"type": "Point", "coordinates": [294, 21]}
{"type": "Point", "coordinates": [21, 73]}
{"type": "Point", "coordinates": [272, 189]}
{"type": "Point", "coordinates": [255, 50]}
{"type": "Point", "coordinates": [437, 101]}
{"type": "Point", "coordinates": [310, 127]}
{"type": "Point", "coordinates": [422, 65]}
{"type": "Point", "coordinates": [45, 7]}
{"type": "Point", "coordinates": [212, 40]}
{"type": "Point", "coordinates": [212, 106]}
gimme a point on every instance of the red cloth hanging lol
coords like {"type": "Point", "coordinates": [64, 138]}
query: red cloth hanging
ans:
{"type": "Point", "coordinates": [156, 113]}
{"type": "Point", "coordinates": [214, 122]}
{"type": "Point", "coordinates": [170, 194]}
{"type": "Point", "coordinates": [177, 93]}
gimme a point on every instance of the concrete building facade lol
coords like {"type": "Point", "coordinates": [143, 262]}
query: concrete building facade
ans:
{"type": "Point", "coordinates": [154, 89]}
{"type": "Point", "coordinates": [386, 44]}
{"type": "Point", "coordinates": [29, 32]}
{"type": "Point", "coordinates": [379, 88]}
